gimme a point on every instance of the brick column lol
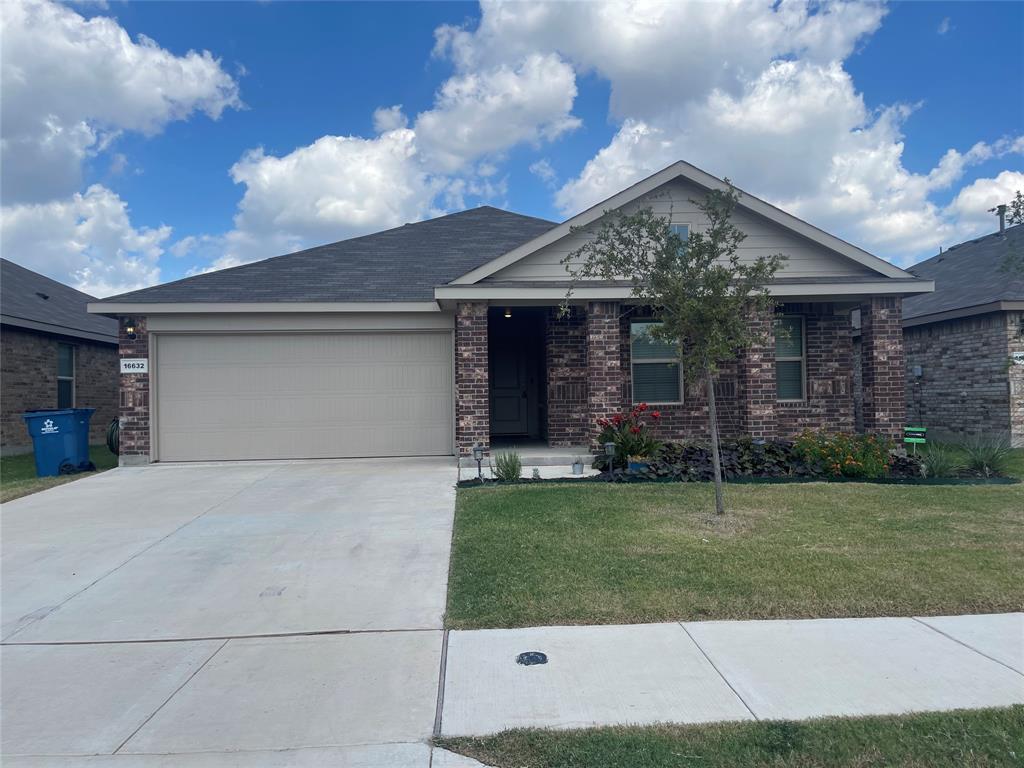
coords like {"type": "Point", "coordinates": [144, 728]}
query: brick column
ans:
{"type": "Point", "coordinates": [134, 395]}
{"type": "Point", "coordinates": [604, 362]}
{"type": "Point", "coordinates": [882, 374]}
{"type": "Point", "coordinates": [566, 352]}
{"type": "Point", "coordinates": [756, 378]}
{"type": "Point", "coordinates": [472, 401]}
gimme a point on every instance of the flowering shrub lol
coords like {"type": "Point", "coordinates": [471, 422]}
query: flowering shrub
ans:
{"type": "Point", "coordinates": [631, 434]}
{"type": "Point", "coordinates": [845, 455]}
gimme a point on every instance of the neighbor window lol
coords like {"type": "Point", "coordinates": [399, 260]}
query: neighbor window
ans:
{"type": "Point", "coordinates": [683, 231]}
{"type": "Point", "coordinates": [790, 358]}
{"type": "Point", "coordinates": [65, 376]}
{"type": "Point", "coordinates": [655, 367]}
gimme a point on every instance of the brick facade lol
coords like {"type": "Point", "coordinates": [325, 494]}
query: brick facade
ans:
{"type": "Point", "coordinates": [755, 373]}
{"type": "Point", "coordinates": [882, 372]}
{"type": "Point", "coordinates": [472, 398]}
{"type": "Point", "coordinates": [968, 385]}
{"type": "Point", "coordinates": [604, 362]}
{"type": "Point", "coordinates": [29, 382]}
{"type": "Point", "coordinates": [829, 367]}
{"type": "Point", "coordinates": [135, 402]}
{"type": "Point", "coordinates": [566, 363]}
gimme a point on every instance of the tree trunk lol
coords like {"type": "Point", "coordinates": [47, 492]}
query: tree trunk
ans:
{"type": "Point", "coordinates": [716, 463]}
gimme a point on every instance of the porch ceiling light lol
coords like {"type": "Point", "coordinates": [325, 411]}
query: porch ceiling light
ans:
{"type": "Point", "coordinates": [508, 311]}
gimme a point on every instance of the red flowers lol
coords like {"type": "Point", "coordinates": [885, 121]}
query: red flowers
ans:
{"type": "Point", "coordinates": [655, 415]}
{"type": "Point", "coordinates": [617, 419]}
{"type": "Point", "coordinates": [635, 430]}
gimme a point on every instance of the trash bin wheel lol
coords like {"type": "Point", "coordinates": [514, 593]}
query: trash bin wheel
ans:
{"type": "Point", "coordinates": [67, 468]}
{"type": "Point", "coordinates": [86, 466]}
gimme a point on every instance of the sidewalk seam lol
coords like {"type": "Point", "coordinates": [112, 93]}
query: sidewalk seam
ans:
{"type": "Point", "coordinates": [715, 667]}
{"type": "Point", "coordinates": [174, 693]}
{"type": "Point", "coordinates": [966, 645]}
{"type": "Point", "coordinates": [439, 710]}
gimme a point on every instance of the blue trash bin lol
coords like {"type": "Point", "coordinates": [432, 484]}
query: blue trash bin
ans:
{"type": "Point", "coordinates": [59, 440]}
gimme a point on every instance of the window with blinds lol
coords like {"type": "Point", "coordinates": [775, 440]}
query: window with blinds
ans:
{"type": "Point", "coordinates": [657, 375]}
{"type": "Point", "coordinates": [790, 359]}
{"type": "Point", "coordinates": [65, 376]}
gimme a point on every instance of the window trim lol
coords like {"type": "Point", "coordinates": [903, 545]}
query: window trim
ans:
{"type": "Point", "coordinates": [802, 359]}
{"type": "Point", "coordinates": [655, 360]}
{"type": "Point", "coordinates": [72, 378]}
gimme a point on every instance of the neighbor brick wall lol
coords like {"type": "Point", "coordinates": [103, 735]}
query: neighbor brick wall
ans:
{"type": "Point", "coordinates": [135, 401]}
{"type": "Point", "coordinates": [882, 372]}
{"type": "Point", "coordinates": [830, 402]}
{"type": "Point", "coordinates": [472, 399]}
{"type": "Point", "coordinates": [566, 361]}
{"type": "Point", "coordinates": [966, 384]}
{"type": "Point", "coordinates": [28, 381]}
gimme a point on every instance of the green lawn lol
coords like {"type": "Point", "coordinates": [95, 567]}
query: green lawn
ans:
{"type": "Point", "coordinates": [18, 473]}
{"type": "Point", "coordinates": [979, 739]}
{"type": "Point", "coordinates": [600, 554]}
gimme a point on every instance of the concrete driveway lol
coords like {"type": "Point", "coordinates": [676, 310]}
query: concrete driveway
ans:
{"type": "Point", "coordinates": [217, 614]}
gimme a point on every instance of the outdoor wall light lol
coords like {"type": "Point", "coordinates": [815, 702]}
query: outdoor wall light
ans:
{"type": "Point", "coordinates": [508, 311]}
{"type": "Point", "coordinates": [129, 329]}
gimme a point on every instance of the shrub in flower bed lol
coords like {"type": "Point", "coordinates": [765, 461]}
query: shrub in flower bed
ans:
{"type": "Point", "coordinates": [802, 458]}
{"type": "Point", "coordinates": [843, 455]}
{"type": "Point", "coordinates": [631, 434]}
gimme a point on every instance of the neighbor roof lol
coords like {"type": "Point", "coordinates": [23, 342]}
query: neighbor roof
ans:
{"type": "Point", "coordinates": [30, 300]}
{"type": "Point", "coordinates": [398, 265]}
{"type": "Point", "coordinates": [969, 278]}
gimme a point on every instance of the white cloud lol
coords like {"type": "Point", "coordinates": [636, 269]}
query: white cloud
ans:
{"type": "Point", "coordinates": [543, 170]}
{"type": "Point", "coordinates": [754, 91]}
{"type": "Point", "coordinates": [389, 119]}
{"type": "Point", "coordinates": [972, 205]}
{"type": "Point", "coordinates": [337, 187]}
{"type": "Point", "coordinates": [479, 113]}
{"type": "Point", "coordinates": [86, 241]}
{"type": "Point", "coordinates": [945, 26]}
{"type": "Point", "coordinates": [343, 186]}
{"type": "Point", "coordinates": [71, 85]}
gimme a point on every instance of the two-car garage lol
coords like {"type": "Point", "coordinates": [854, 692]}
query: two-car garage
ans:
{"type": "Point", "coordinates": [298, 395]}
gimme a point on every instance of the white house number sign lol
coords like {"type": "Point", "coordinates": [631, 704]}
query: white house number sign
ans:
{"type": "Point", "coordinates": [135, 365]}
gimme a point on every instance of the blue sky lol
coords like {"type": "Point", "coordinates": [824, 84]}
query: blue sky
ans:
{"type": "Point", "coordinates": [893, 126]}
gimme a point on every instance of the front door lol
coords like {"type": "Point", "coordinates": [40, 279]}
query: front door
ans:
{"type": "Point", "coordinates": [510, 390]}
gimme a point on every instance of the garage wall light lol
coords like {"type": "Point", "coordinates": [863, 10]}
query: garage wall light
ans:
{"type": "Point", "coordinates": [508, 311]}
{"type": "Point", "coordinates": [129, 329]}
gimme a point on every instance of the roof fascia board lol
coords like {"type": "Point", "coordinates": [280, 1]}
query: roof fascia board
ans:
{"type": "Point", "coordinates": [704, 179]}
{"type": "Point", "coordinates": [953, 314]}
{"type": "Point", "coordinates": [199, 307]}
{"type": "Point", "coordinates": [583, 292]}
{"type": "Point", "coordinates": [56, 330]}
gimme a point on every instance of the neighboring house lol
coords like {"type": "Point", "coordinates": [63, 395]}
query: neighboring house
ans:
{"type": "Point", "coordinates": [432, 337]}
{"type": "Point", "coordinates": [55, 355]}
{"type": "Point", "coordinates": [965, 342]}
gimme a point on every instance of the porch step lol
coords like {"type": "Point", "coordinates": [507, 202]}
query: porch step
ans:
{"type": "Point", "coordinates": [538, 456]}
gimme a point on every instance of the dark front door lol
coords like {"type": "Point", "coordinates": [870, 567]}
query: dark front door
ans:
{"type": "Point", "coordinates": [510, 391]}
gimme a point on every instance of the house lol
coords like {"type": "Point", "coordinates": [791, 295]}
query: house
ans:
{"type": "Point", "coordinates": [965, 342]}
{"type": "Point", "coordinates": [432, 337]}
{"type": "Point", "coordinates": [55, 355]}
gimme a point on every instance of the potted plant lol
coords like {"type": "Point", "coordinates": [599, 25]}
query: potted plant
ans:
{"type": "Point", "coordinates": [630, 432]}
{"type": "Point", "coordinates": [577, 465]}
{"type": "Point", "coordinates": [638, 463]}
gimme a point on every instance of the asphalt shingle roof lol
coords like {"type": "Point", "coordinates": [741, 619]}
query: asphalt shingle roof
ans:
{"type": "Point", "coordinates": [401, 264]}
{"type": "Point", "coordinates": [30, 300]}
{"type": "Point", "coordinates": [969, 274]}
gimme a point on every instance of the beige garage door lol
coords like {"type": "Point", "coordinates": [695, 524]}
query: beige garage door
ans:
{"type": "Point", "coordinates": [292, 396]}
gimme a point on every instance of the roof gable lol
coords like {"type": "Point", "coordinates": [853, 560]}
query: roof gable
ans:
{"type": "Point", "coordinates": [865, 263]}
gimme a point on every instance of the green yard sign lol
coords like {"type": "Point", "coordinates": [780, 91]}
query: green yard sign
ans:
{"type": "Point", "coordinates": [915, 435]}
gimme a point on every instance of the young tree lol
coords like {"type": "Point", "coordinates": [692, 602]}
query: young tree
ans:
{"type": "Point", "coordinates": [1014, 260]}
{"type": "Point", "coordinates": [699, 289]}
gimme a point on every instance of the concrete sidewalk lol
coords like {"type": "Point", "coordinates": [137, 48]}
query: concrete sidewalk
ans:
{"type": "Point", "coordinates": [730, 670]}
